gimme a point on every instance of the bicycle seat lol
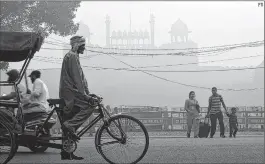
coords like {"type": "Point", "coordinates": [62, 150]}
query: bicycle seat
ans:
{"type": "Point", "coordinates": [56, 101]}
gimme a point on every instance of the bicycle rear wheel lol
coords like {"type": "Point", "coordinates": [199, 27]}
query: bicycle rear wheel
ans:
{"type": "Point", "coordinates": [7, 143]}
{"type": "Point", "coordinates": [124, 140]}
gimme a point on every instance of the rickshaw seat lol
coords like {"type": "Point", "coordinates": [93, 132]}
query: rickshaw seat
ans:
{"type": "Point", "coordinates": [56, 101]}
{"type": "Point", "coordinates": [9, 103]}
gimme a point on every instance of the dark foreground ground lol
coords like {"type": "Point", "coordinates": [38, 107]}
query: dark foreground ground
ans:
{"type": "Point", "coordinates": [244, 149]}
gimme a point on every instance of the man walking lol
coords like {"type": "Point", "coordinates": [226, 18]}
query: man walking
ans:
{"type": "Point", "coordinates": [214, 112]}
{"type": "Point", "coordinates": [74, 91]}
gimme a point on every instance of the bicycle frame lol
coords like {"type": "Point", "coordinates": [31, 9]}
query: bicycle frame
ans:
{"type": "Point", "coordinates": [58, 110]}
{"type": "Point", "coordinates": [102, 115]}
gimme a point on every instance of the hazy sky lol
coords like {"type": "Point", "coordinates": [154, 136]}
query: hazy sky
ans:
{"type": "Point", "coordinates": [211, 23]}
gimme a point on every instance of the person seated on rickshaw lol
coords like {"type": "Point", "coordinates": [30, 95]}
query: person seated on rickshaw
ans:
{"type": "Point", "coordinates": [13, 75]}
{"type": "Point", "coordinates": [37, 104]}
{"type": "Point", "coordinates": [34, 103]}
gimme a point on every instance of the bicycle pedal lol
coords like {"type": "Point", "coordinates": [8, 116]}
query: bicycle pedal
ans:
{"type": "Point", "coordinates": [75, 137]}
{"type": "Point", "coordinates": [72, 134]}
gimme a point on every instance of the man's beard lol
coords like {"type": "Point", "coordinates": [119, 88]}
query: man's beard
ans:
{"type": "Point", "coordinates": [80, 52]}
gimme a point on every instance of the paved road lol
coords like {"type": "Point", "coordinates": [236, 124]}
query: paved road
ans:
{"type": "Point", "coordinates": [168, 150]}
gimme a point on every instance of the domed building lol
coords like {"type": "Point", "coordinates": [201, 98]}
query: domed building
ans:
{"type": "Point", "coordinates": [179, 30]}
{"type": "Point", "coordinates": [179, 34]}
{"type": "Point", "coordinates": [85, 32]}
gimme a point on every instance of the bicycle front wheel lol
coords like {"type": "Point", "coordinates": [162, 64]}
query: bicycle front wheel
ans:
{"type": "Point", "coordinates": [124, 140]}
{"type": "Point", "coordinates": [7, 143]}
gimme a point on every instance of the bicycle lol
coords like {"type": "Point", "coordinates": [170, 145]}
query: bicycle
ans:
{"type": "Point", "coordinates": [36, 134]}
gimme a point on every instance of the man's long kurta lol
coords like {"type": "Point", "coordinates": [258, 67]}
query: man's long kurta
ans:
{"type": "Point", "coordinates": [73, 85]}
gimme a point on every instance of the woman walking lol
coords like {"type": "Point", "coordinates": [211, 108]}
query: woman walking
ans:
{"type": "Point", "coordinates": [193, 109]}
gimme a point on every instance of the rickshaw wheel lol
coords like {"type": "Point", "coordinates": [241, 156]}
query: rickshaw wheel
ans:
{"type": "Point", "coordinates": [6, 131]}
{"type": "Point", "coordinates": [16, 144]}
{"type": "Point", "coordinates": [39, 149]}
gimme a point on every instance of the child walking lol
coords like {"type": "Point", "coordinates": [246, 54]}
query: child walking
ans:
{"type": "Point", "coordinates": [232, 122]}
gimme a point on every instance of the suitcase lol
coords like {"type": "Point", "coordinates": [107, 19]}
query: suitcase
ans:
{"type": "Point", "coordinates": [204, 128]}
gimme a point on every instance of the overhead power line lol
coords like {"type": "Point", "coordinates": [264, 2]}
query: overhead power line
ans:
{"type": "Point", "coordinates": [199, 54]}
{"type": "Point", "coordinates": [166, 71]}
{"type": "Point", "coordinates": [211, 61]}
{"type": "Point", "coordinates": [157, 49]}
{"type": "Point", "coordinates": [169, 65]}
{"type": "Point", "coordinates": [189, 53]}
{"type": "Point", "coordinates": [174, 71]}
{"type": "Point", "coordinates": [183, 84]}
{"type": "Point", "coordinates": [251, 44]}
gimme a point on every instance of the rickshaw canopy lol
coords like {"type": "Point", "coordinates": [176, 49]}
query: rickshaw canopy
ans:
{"type": "Point", "coordinates": [17, 46]}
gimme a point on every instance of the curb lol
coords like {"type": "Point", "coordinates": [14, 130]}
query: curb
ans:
{"type": "Point", "coordinates": [238, 136]}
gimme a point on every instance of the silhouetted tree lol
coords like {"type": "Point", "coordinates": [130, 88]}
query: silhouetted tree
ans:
{"type": "Point", "coordinates": [48, 16]}
{"type": "Point", "coordinates": [3, 65]}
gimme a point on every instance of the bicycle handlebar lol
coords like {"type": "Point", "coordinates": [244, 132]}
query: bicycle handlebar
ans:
{"type": "Point", "coordinates": [96, 100]}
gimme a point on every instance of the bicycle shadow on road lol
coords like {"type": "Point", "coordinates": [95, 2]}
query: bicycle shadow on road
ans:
{"type": "Point", "coordinates": [32, 153]}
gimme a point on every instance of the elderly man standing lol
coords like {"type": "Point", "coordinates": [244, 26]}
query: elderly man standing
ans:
{"type": "Point", "coordinates": [74, 91]}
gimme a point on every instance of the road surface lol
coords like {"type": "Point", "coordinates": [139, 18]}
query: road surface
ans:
{"type": "Point", "coordinates": [167, 150]}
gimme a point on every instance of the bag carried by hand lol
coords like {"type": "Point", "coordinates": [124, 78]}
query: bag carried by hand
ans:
{"type": "Point", "coordinates": [204, 128]}
{"type": "Point", "coordinates": [198, 108]}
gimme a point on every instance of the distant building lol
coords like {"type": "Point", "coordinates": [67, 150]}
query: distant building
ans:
{"type": "Point", "coordinates": [128, 109]}
{"type": "Point", "coordinates": [84, 31]}
{"type": "Point", "coordinates": [179, 34]}
{"type": "Point", "coordinates": [130, 39]}
{"type": "Point", "coordinates": [176, 109]}
{"type": "Point", "coordinates": [144, 39]}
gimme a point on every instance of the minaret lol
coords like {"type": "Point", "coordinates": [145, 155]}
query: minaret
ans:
{"type": "Point", "coordinates": [107, 31]}
{"type": "Point", "coordinates": [152, 29]}
{"type": "Point", "coordinates": [130, 31]}
{"type": "Point", "coordinates": [130, 23]}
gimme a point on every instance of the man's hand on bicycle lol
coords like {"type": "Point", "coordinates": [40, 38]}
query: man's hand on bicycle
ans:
{"type": "Point", "coordinates": [92, 99]}
{"type": "Point", "coordinates": [87, 97]}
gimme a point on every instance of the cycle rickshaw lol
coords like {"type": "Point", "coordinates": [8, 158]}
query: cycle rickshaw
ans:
{"type": "Point", "coordinates": [115, 130]}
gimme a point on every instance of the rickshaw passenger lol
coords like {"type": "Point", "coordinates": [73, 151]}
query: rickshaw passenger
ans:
{"type": "Point", "coordinates": [37, 104]}
{"type": "Point", "coordinates": [34, 104]}
{"type": "Point", "coordinates": [13, 76]}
